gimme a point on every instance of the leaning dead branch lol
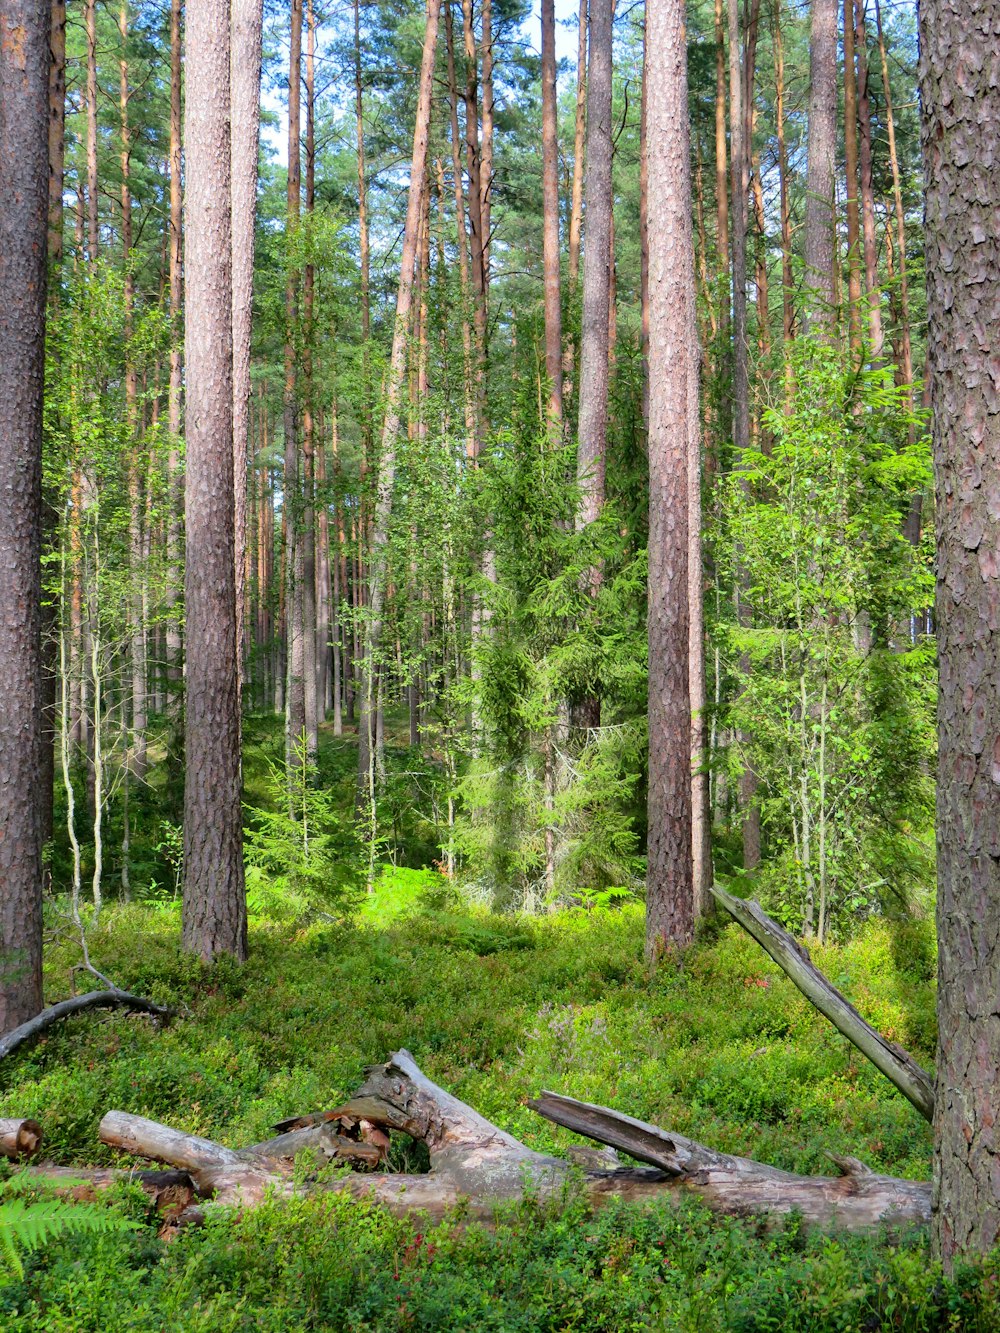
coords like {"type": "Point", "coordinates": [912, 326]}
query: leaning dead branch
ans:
{"type": "Point", "coordinates": [98, 999]}
{"type": "Point", "coordinates": [897, 1065]}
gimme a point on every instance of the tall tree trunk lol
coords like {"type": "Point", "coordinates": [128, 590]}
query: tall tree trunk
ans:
{"type": "Point", "coordinates": [960, 98]}
{"type": "Point", "coordinates": [310, 697]}
{"type": "Point", "coordinates": [594, 347]}
{"type": "Point", "coordinates": [379, 555]}
{"type": "Point", "coordinates": [175, 497]}
{"type": "Point", "coordinates": [214, 907]}
{"type": "Point", "coordinates": [90, 39]}
{"type": "Point", "coordinates": [295, 698]}
{"type": "Point", "coordinates": [486, 169]}
{"type": "Point", "coordinates": [721, 169]}
{"type": "Point", "coordinates": [821, 153]}
{"type": "Point", "coordinates": [550, 220]}
{"type": "Point", "coordinates": [366, 354]}
{"type": "Point", "coordinates": [476, 234]}
{"type": "Point", "coordinates": [784, 203]}
{"type": "Point", "coordinates": [739, 181]}
{"type": "Point", "coordinates": [868, 188]}
{"type": "Point", "coordinates": [851, 170]}
{"type": "Point", "coordinates": [246, 17]}
{"type": "Point", "coordinates": [906, 352]}
{"type": "Point", "coordinates": [468, 376]}
{"type": "Point", "coordinates": [670, 897]}
{"type": "Point", "coordinates": [137, 565]}
{"type": "Point", "coordinates": [579, 132]}
{"type": "Point", "coordinates": [24, 174]}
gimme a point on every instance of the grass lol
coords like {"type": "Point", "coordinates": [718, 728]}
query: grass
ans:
{"type": "Point", "coordinates": [494, 1008]}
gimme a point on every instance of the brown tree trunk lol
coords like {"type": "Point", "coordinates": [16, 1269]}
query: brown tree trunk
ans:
{"type": "Point", "coordinates": [851, 169]}
{"type": "Point", "coordinates": [486, 166]}
{"type": "Point", "coordinates": [875, 334]}
{"type": "Point", "coordinates": [594, 343]}
{"type": "Point", "coordinates": [550, 220]}
{"type": "Point", "coordinates": [24, 176]}
{"type": "Point", "coordinates": [90, 39]}
{"type": "Point", "coordinates": [214, 908]}
{"type": "Point", "coordinates": [822, 148]}
{"type": "Point", "coordinates": [468, 384]}
{"type": "Point", "coordinates": [477, 237]}
{"type": "Point", "coordinates": [366, 354]}
{"type": "Point", "coordinates": [245, 64]}
{"type": "Point", "coordinates": [175, 498]}
{"type": "Point", "coordinates": [673, 402]}
{"type": "Point", "coordinates": [787, 285]}
{"type": "Point", "coordinates": [308, 416]}
{"type": "Point", "coordinates": [906, 353]}
{"type": "Point", "coordinates": [960, 97]}
{"type": "Point", "coordinates": [721, 168]}
{"type": "Point", "coordinates": [295, 693]}
{"type": "Point", "coordinates": [739, 181]}
{"type": "Point", "coordinates": [579, 134]}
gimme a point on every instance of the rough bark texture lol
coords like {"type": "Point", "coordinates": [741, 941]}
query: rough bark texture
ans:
{"type": "Point", "coordinates": [821, 158]}
{"type": "Point", "coordinates": [739, 167]}
{"type": "Point", "coordinates": [851, 182]}
{"type": "Point", "coordinates": [24, 174]}
{"type": "Point", "coordinates": [175, 504]}
{"type": "Point", "coordinates": [295, 694]}
{"type": "Point", "coordinates": [593, 422]}
{"type": "Point", "coordinates": [550, 219]}
{"type": "Point", "coordinates": [244, 64]}
{"type": "Point", "coordinates": [579, 131]}
{"type": "Point", "coordinates": [90, 33]}
{"type": "Point", "coordinates": [670, 905]}
{"type": "Point", "coordinates": [867, 187]}
{"type": "Point", "coordinates": [214, 909]}
{"type": "Point", "coordinates": [961, 135]}
{"type": "Point", "coordinates": [20, 1138]}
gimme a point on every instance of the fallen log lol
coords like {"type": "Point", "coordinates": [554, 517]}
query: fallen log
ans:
{"type": "Point", "coordinates": [897, 1065]}
{"type": "Point", "coordinates": [476, 1164]}
{"type": "Point", "coordinates": [858, 1199]}
{"type": "Point", "coordinates": [20, 1138]}
{"type": "Point", "coordinates": [97, 999]}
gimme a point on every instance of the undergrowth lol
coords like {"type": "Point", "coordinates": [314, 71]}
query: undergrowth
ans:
{"type": "Point", "coordinates": [494, 1008]}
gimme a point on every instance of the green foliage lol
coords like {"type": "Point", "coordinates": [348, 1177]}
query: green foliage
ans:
{"type": "Point", "coordinates": [832, 694]}
{"type": "Point", "coordinates": [300, 850]}
{"type": "Point", "coordinates": [30, 1220]}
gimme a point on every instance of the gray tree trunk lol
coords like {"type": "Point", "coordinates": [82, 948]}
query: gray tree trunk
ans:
{"type": "Point", "coordinates": [961, 137]}
{"type": "Point", "coordinates": [214, 907]}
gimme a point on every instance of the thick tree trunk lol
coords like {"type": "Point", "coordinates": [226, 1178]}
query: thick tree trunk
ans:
{"type": "Point", "coordinates": [961, 138]}
{"type": "Point", "coordinates": [784, 204]}
{"type": "Point", "coordinates": [24, 175]}
{"type": "Point", "coordinates": [486, 164]}
{"type": "Point", "coordinates": [673, 418]}
{"type": "Point", "coordinates": [295, 691]}
{"type": "Point", "coordinates": [468, 375]}
{"type": "Point", "coordinates": [739, 170]}
{"type": "Point", "coordinates": [550, 221]}
{"type": "Point", "coordinates": [214, 909]}
{"type": "Point", "coordinates": [245, 65]}
{"type": "Point", "coordinates": [822, 150]}
{"type": "Point", "coordinates": [310, 697]}
{"type": "Point", "coordinates": [579, 134]}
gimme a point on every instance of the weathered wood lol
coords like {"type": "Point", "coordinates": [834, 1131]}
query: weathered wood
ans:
{"type": "Point", "coordinates": [98, 999]}
{"type": "Point", "coordinates": [478, 1165]}
{"type": "Point", "coordinates": [324, 1138]}
{"type": "Point", "coordinates": [897, 1065]}
{"type": "Point", "coordinates": [858, 1199]}
{"type": "Point", "coordinates": [146, 1138]}
{"type": "Point", "coordinates": [20, 1138]}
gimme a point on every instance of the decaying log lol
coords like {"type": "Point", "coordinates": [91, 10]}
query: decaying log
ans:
{"type": "Point", "coordinates": [858, 1199]}
{"type": "Point", "coordinates": [97, 999]}
{"type": "Point", "coordinates": [897, 1065]}
{"type": "Point", "coordinates": [20, 1138]}
{"type": "Point", "coordinates": [170, 1192]}
{"type": "Point", "coordinates": [478, 1165]}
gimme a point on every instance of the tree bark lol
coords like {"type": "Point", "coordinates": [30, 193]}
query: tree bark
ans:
{"type": "Point", "coordinates": [960, 98]}
{"type": "Point", "coordinates": [872, 289]}
{"type": "Point", "coordinates": [19, 1138]}
{"type": "Point", "coordinates": [246, 17]}
{"type": "Point", "coordinates": [550, 221]}
{"type": "Point", "coordinates": [295, 694]}
{"type": "Point", "coordinates": [90, 40]}
{"type": "Point", "coordinates": [24, 176]}
{"type": "Point", "coordinates": [851, 180]}
{"type": "Point", "coordinates": [366, 353]}
{"type": "Point", "coordinates": [673, 402]}
{"type": "Point", "coordinates": [579, 133]}
{"type": "Point", "coordinates": [594, 344]}
{"type": "Point", "coordinates": [822, 148]}
{"type": "Point", "coordinates": [468, 375]}
{"type": "Point", "coordinates": [175, 481]}
{"type": "Point", "coordinates": [214, 906]}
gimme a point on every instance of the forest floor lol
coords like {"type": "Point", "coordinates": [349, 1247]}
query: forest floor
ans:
{"type": "Point", "coordinates": [495, 1009]}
